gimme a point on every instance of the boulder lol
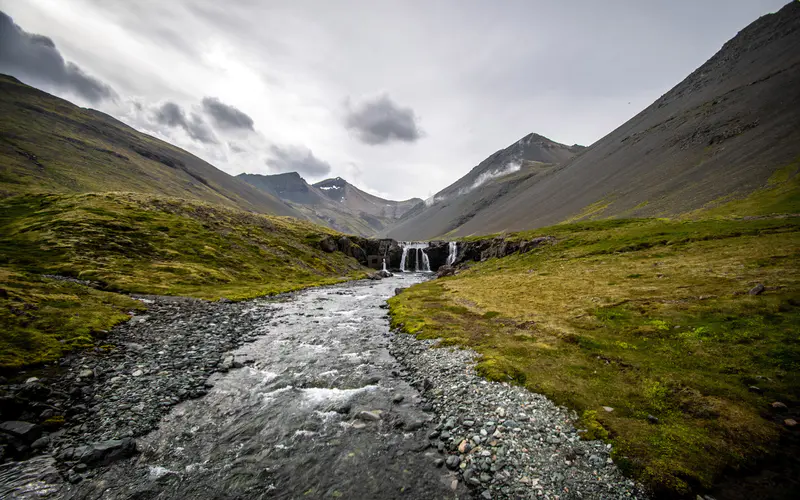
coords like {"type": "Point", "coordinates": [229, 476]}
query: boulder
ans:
{"type": "Point", "coordinates": [25, 431]}
{"type": "Point", "coordinates": [445, 271]}
{"type": "Point", "coordinates": [102, 453]}
{"type": "Point", "coordinates": [328, 244]}
{"type": "Point", "coordinates": [385, 274]}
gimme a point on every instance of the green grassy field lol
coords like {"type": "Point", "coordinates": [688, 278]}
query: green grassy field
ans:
{"type": "Point", "coordinates": [137, 243]}
{"type": "Point", "coordinates": [650, 317]}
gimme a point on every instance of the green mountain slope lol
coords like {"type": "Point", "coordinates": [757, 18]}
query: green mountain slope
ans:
{"type": "Point", "coordinates": [48, 144]}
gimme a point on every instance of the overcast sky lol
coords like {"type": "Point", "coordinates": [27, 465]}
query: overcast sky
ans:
{"type": "Point", "coordinates": [399, 97]}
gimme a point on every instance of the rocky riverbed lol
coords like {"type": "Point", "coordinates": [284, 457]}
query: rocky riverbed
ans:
{"type": "Point", "coordinates": [307, 394]}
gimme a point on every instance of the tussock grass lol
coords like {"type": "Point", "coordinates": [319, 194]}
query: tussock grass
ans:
{"type": "Point", "coordinates": [650, 317]}
{"type": "Point", "coordinates": [138, 243]}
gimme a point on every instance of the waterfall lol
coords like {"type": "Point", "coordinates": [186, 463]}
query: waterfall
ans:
{"type": "Point", "coordinates": [422, 263]}
{"type": "Point", "coordinates": [426, 263]}
{"type": "Point", "coordinates": [384, 265]}
{"type": "Point", "coordinates": [403, 258]}
{"type": "Point", "coordinates": [453, 253]}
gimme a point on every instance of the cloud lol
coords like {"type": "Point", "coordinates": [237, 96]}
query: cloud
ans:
{"type": "Point", "coordinates": [35, 59]}
{"type": "Point", "coordinates": [297, 159]}
{"type": "Point", "coordinates": [172, 115]}
{"type": "Point", "coordinates": [380, 121]}
{"type": "Point", "coordinates": [225, 115]}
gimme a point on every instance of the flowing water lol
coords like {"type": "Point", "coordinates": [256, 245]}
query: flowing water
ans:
{"type": "Point", "coordinates": [288, 425]}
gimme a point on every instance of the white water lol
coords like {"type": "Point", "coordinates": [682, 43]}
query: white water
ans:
{"type": "Point", "coordinates": [421, 257]}
{"type": "Point", "coordinates": [384, 265]}
{"type": "Point", "coordinates": [453, 253]}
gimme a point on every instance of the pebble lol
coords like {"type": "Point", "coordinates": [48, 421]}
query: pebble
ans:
{"type": "Point", "coordinates": [538, 450]}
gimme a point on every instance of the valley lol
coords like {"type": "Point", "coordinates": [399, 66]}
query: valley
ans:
{"type": "Point", "coordinates": [619, 320]}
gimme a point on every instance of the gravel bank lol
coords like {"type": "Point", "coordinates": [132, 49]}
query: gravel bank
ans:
{"type": "Point", "coordinates": [124, 386]}
{"type": "Point", "coordinates": [505, 441]}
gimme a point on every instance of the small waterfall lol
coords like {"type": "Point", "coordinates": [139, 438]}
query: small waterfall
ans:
{"type": "Point", "coordinates": [422, 263]}
{"type": "Point", "coordinates": [426, 263]}
{"type": "Point", "coordinates": [453, 253]}
{"type": "Point", "coordinates": [403, 258]}
{"type": "Point", "coordinates": [384, 265]}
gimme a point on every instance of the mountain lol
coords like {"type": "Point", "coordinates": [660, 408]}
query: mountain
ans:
{"type": "Point", "coordinates": [341, 191]}
{"type": "Point", "coordinates": [530, 157]}
{"type": "Point", "coordinates": [48, 144]}
{"type": "Point", "coordinates": [333, 202]}
{"type": "Point", "coordinates": [718, 135]}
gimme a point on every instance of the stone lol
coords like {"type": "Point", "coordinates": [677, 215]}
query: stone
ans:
{"type": "Point", "coordinates": [41, 443]}
{"type": "Point", "coordinates": [398, 291]}
{"type": "Point", "coordinates": [652, 419]}
{"type": "Point", "coordinates": [137, 373]}
{"type": "Point", "coordinates": [790, 422]}
{"type": "Point", "coordinates": [328, 244]}
{"type": "Point", "coordinates": [755, 389]}
{"type": "Point", "coordinates": [414, 424]}
{"type": "Point", "coordinates": [369, 416]}
{"type": "Point", "coordinates": [464, 446]}
{"type": "Point", "coordinates": [23, 430]}
{"type": "Point", "coordinates": [102, 453]}
{"type": "Point", "coordinates": [608, 409]}
{"type": "Point", "coordinates": [87, 373]}
{"type": "Point", "coordinates": [777, 405]}
{"type": "Point", "coordinates": [452, 462]}
{"type": "Point", "coordinates": [757, 290]}
{"type": "Point", "coordinates": [486, 495]}
{"type": "Point", "coordinates": [32, 380]}
{"type": "Point", "coordinates": [439, 462]}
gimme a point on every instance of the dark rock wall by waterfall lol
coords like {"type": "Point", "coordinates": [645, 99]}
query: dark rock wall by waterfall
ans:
{"type": "Point", "coordinates": [371, 252]}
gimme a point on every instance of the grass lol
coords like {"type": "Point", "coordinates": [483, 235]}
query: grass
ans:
{"type": "Point", "coordinates": [43, 319]}
{"type": "Point", "coordinates": [137, 243]}
{"type": "Point", "coordinates": [650, 317]}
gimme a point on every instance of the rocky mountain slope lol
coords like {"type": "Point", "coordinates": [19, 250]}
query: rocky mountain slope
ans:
{"type": "Point", "coordinates": [48, 144]}
{"type": "Point", "coordinates": [341, 191]}
{"type": "Point", "coordinates": [333, 202]}
{"type": "Point", "coordinates": [719, 134]}
{"type": "Point", "coordinates": [530, 157]}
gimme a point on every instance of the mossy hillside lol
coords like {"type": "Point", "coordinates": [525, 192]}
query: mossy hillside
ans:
{"type": "Point", "coordinates": [139, 244]}
{"type": "Point", "coordinates": [149, 244]}
{"type": "Point", "coordinates": [649, 317]}
{"type": "Point", "coordinates": [44, 318]}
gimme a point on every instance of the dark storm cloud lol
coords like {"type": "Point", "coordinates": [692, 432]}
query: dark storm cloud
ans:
{"type": "Point", "coordinates": [297, 159]}
{"type": "Point", "coordinates": [172, 115]}
{"type": "Point", "coordinates": [36, 60]}
{"type": "Point", "coordinates": [225, 115]}
{"type": "Point", "coordinates": [380, 121]}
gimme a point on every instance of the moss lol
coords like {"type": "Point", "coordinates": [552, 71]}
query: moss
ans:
{"type": "Point", "coordinates": [594, 429]}
{"type": "Point", "coordinates": [119, 240]}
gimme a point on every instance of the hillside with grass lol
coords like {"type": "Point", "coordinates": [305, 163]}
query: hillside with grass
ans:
{"type": "Point", "coordinates": [49, 145]}
{"type": "Point", "coordinates": [132, 243]}
{"type": "Point", "coordinates": [676, 340]}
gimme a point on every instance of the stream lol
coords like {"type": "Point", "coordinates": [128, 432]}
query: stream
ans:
{"type": "Point", "coordinates": [320, 410]}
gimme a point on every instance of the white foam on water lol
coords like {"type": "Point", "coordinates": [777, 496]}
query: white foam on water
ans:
{"type": "Point", "coordinates": [270, 396]}
{"type": "Point", "coordinates": [329, 373]}
{"type": "Point", "coordinates": [317, 396]}
{"type": "Point", "coordinates": [157, 471]}
{"type": "Point", "coordinates": [302, 433]}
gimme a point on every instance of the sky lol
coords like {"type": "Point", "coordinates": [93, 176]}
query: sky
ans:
{"type": "Point", "coordinates": [401, 98]}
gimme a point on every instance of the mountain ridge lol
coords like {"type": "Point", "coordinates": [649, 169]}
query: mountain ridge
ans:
{"type": "Point", "coordinates": [333, 202]}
